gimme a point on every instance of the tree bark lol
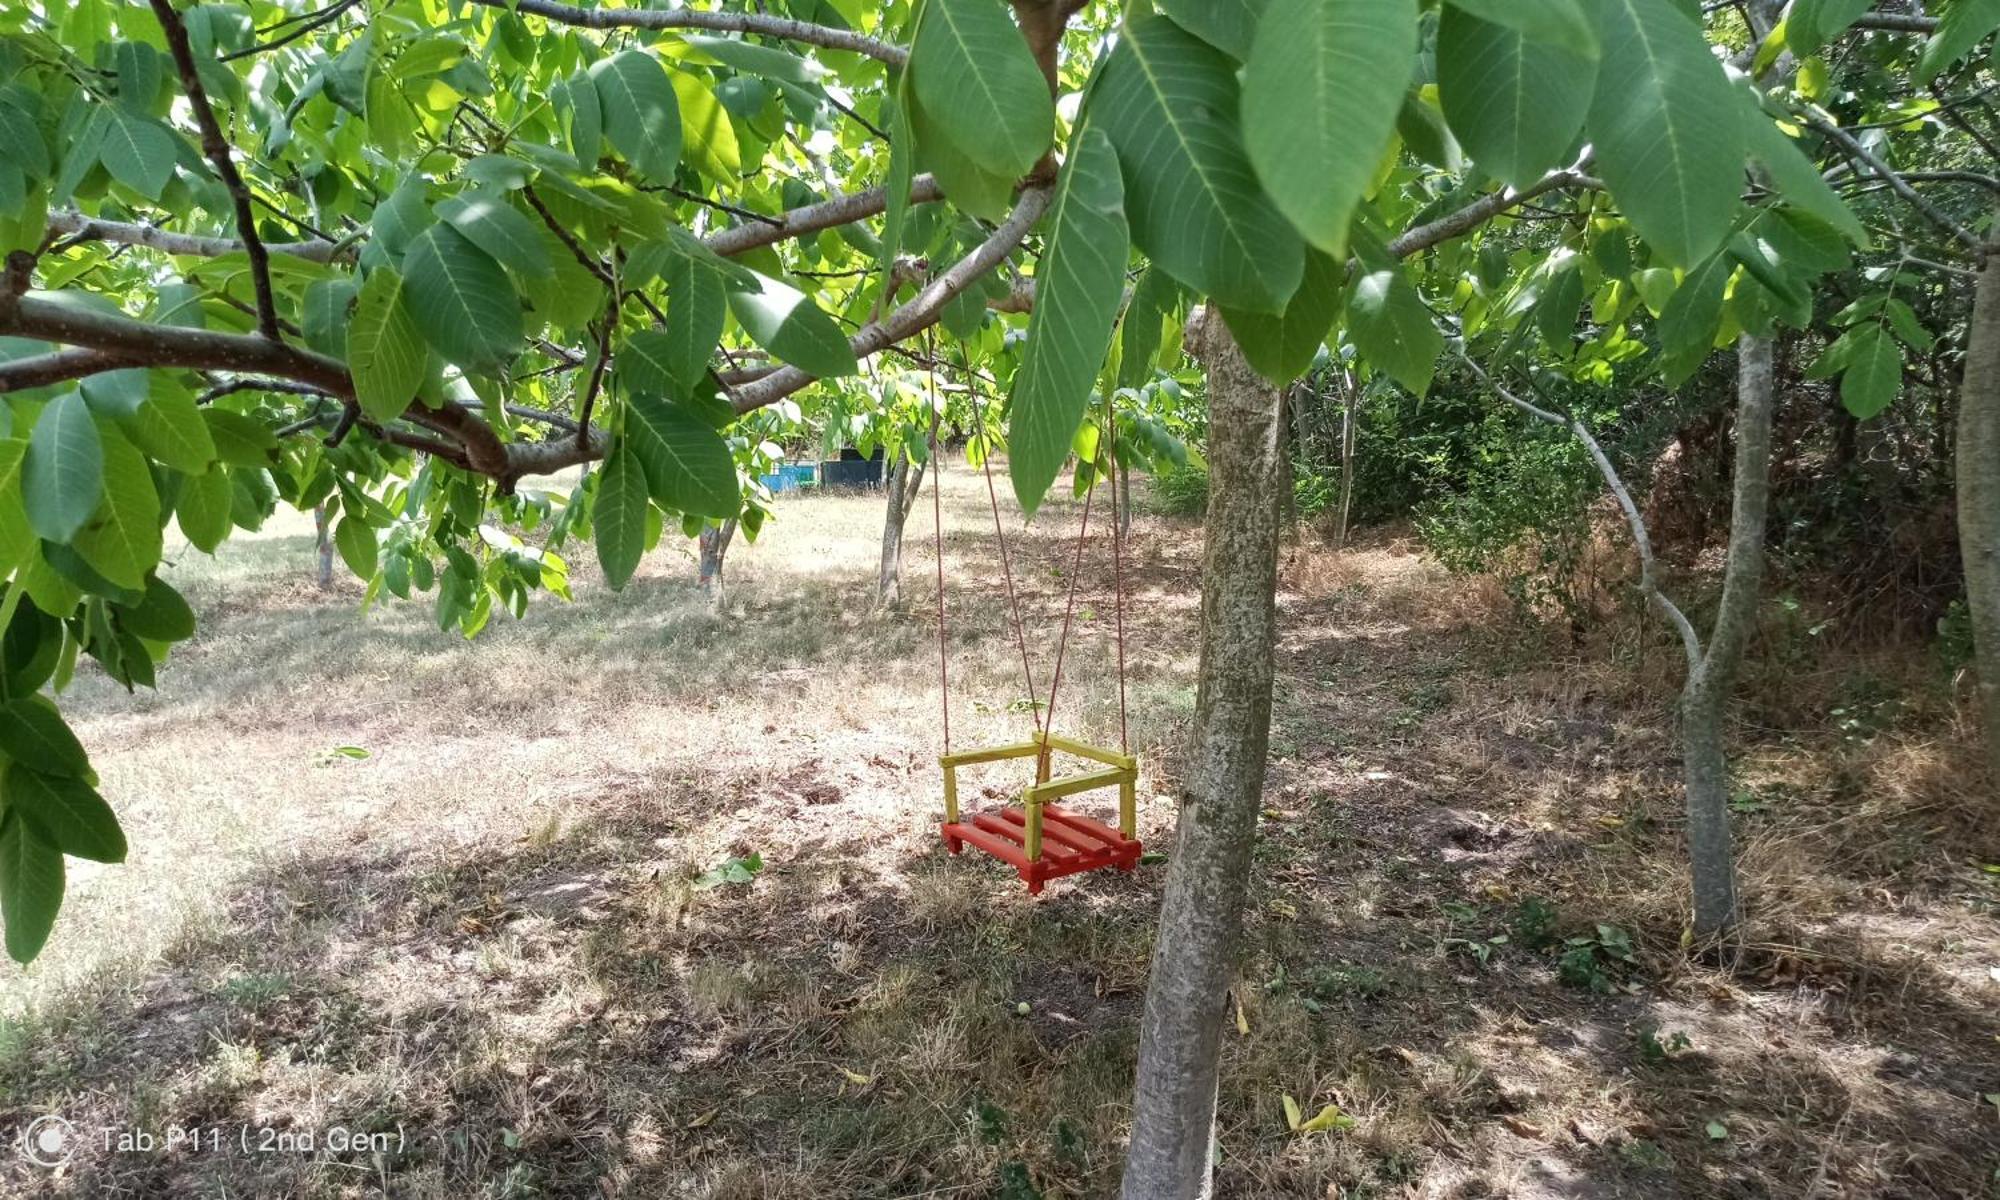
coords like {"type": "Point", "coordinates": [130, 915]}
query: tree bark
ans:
{"type": "Point", "coordinates": [1712, 677]}
{"type": "Point", "coordinates": [1173, 1119]}
{"type": "Point", "coordinates": [322, 528]}
{"type": "Point", "coordinates": [714, 543]}
{"type": "Point", "coordinates": [1348, 431]}
{"type": "Point", "coordinates": [906, 477]}
{"type": "Point", "coordinates": [1978, 482]}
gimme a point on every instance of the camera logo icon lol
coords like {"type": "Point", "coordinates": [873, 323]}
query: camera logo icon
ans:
{"type": "Point", "coordinates": [48, 1141]}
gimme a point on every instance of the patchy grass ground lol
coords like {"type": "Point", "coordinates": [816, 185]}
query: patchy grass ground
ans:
{"type": "Point", "coordinates": [492, 941]}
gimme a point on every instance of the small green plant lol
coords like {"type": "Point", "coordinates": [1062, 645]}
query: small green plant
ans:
{"type": "Point", "coordinates": [1181, 491]}
{"type": "Point", "coordinates": [1534, 923]}
{"type": "Point", "coordinates": [740, 870]}
{"type": "Point", "coordinates": [1597, 962]}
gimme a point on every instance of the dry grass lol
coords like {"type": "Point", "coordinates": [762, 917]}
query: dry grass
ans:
{"type": "Point", "coordinates": [490, 934]}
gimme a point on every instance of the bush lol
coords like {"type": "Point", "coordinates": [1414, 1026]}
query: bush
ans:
{"type": "Point", "coordinates": [1181, 491]}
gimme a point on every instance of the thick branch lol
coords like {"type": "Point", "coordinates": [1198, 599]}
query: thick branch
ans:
{"type": "Point", "coordinates": [41, 370]}
{"type": "Point", "coordinates": [217, 148]}
{"type": "Point", "coordinates": [921, 312]}
{"type": "Point", "coordinates": [782, 28]}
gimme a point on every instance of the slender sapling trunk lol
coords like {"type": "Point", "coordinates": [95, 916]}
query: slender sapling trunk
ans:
{"type": "Point", "coordinates": [1173, 1118]}
{"type": "Point", "coordinates": [1978, 471]}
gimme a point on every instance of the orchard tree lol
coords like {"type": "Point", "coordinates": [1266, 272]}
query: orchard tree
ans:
{"type": "Point", "coordinates": [407, 259]}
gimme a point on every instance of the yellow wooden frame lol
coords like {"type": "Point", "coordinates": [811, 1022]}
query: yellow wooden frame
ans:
{"type": "Point", "coordinates": [1121, 770]}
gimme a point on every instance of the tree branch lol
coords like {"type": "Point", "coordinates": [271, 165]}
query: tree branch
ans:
{"type": "Point", "coordinates": [41, 370]}
{"type": "Point", "coordinates": [827, 214]}
{"type": "Point", "coordinates": [1642, 541]}
{"type": "Point", "coordinates": [922, 311]}
{"type": "Point", "coordinates": [217, 148]}
{"type": "Point", "coordinates": [1487, 207]}
{"type": "Point", "coordinates": [1853, 149]}
{"type": "Point", "coordinates": [79, 227]}
{"type": "Point", "coordinates": [782, 28]}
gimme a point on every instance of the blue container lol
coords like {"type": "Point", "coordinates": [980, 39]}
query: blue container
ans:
{"type": "Point", "coordinates": [799, 474]}
{"type": "Point", "coordinates": [775, 483]}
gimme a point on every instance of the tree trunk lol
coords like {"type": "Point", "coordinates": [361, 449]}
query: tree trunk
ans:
{"type": "Point", "coordinates": [1713, 677]}
{"type": "Point", "coordinates": [1978, 471]}
{"type": "Point", "coordinates": [1348, 431]}
{"type": "Point", "coordinates": [714, 543]}
{"type": "Point", "coordinates": [324, 529]}
{"type": "Point", "coordinates": [1173, 1118]}
{"type": "Point", "coordinates": [906, 478]}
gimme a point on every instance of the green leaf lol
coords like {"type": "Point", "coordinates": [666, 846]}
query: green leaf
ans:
{"type": "Point", "coordinates": [169, 428]}
{"type": "Point", "coordinates": [1668, 128]}
{"type": "Point", "coordinates": [1556, 311]}
{"type": "Point", "coordinates": [21, 142]}
{"type": "Point", "coordinates": [1559, 23]}
{"type": "Point", "coordinates": [32, 731]}
{"type": "Point", "coordinates": [17, 541]}
{"type": "Point", "coordinates": [709, 136]}
{"type": "Point", "coordinates": [1153, 299]}
{"type": "Point", "coordinates": [1228, 25]}
{"type": "Point", "coordinates": [355, 539]}
{"type": "Point", "coordinates": [1167, 100]}
{"type": "Point", "coordinates": [406, 213]}
{"type": "Point", "coordinates": [63, 473]}
{"type": "Point", "coordinates": [973, 189]}
{"type": "Point", "coordinates": [384, 347]}
{"type": "Point", "coordinates": [1964, 25]}
{"type": "Point", "coordinates": [697, 309]}
{"type": "Point", "coordinates": [31, 888]}
{"type": "Point", "coordinates": [753, 59]}
{"type": "Point", "coordinates": [642, 115]}
{"type": "Point", "coordinates": [65, 812]}
{"type": "Point", "coordinates": [240, 441]}
{"type": "Point", "coordinates": [1689, 320]}
{"type": "Point", "coordinates": [493, 225]}
{"type": "Point", "coordinates": [1813, 23]}
{"type": "Point", "coordinates": [203, 508]}
{"type": "Point", "coordinates": [1517, 104]}
{"type": "Point", "coordinates": [1321, 92]}
{"type": "Point", "coordinates": [586, 118]}
{"type": "Point", "coordinates": [688, 466]}
{"type": "Point", "coordinates": [1079, 288]}
{"type": "Point", "coordinates": [619, 515]}
{"type": "Point", "coordinates": [121, 541]}
{"type": "Point", "coordinates": [162, 615]}
{"type": "Point", "coordinates": [460, 299]}
{"type": "Point", "coordinates": [1874, 373]}
{"type": "Point", "coordinates": [139, 153]}
{"type": "Point", "coordinates": [328, 306]}
{"type": "Point", "coordinates": [1796, 178]}
{"type": "Point", "coordinates": [1392, 328]}
{"type": "Point", "coordinates": [785, 321]}
{"type": "Point", "coordinates": [1283, 347]}
{"type": "Point", "coordinates": [973, 75]}
{"type": "Point", "coordinates": [117, 393]}
{"type": "Point", "coordinates": [902, 170]}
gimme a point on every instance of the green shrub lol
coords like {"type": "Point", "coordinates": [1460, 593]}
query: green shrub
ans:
{"type": "Point", "coordinates": [1181, 491]}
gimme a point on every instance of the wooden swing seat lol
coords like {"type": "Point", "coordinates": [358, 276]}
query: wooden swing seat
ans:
{"type": "Point", "coordinates": [1038, 839]}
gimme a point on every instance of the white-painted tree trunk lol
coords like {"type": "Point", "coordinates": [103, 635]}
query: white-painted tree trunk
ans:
{"type": "Point", "coordinates": [1194, 954]}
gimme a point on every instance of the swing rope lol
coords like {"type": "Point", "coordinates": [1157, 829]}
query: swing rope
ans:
{"type": "Point", "coordinates": [1118, 571]}
{"type": "Point", "coordinates": [937, 527]}
{"type": "Point", "coordinates": [1043, 717]}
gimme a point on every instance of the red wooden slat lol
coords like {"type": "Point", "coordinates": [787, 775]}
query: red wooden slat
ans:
{"type": "Point", "coordinates": [999, 848]}
{"type": "Point", "coordinates": [1096, 829]}
{"type": "Point", "coordinates": [1055, 831]}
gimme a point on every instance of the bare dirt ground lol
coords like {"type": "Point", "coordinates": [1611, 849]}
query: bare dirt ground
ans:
{"type": "Point", "coordinates": [498, 941]}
